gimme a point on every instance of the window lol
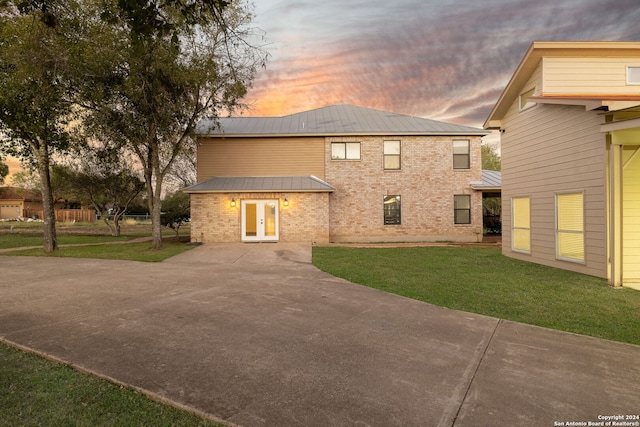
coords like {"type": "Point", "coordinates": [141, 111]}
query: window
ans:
{"type": "Point", "coordinates": [461, 158]}
{"type": "Point", "coordinates": [633, 75]}
{"type": "Point", "coordinates": [391, 154]}
{"type": "Point", "coordinates": [570, 227]}
{"type": "Point", "coordinates": [524, 99]}
{"type": "Point", "coordinates": [391, 210]}
{"type": "Point", "coordinates": [462, 209]}
{"type": "Point", "coordinates": [521, 224]}
{"type": "Point", "coordinates": [345, 151]}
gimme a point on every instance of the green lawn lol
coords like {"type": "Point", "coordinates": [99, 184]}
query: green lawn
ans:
{"type": "Point", "coordinates": [38, 392]}
{"type": "Point", "coordinates": [126, 251]}
{"type": "Point", "coordinates": [482, 280]}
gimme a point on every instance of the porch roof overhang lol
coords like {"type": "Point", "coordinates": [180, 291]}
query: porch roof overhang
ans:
{"type": "Point", "coordinates": [262, 184]}
{"type": "Point", "coordinates": [491, 182]}
{"type": "Point", "coordinates": [590, 102]}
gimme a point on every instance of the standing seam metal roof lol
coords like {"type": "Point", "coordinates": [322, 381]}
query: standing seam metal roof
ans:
{"type": "Point", "coordinates": [259, 184]}
{"type": "Point", "coordinates": [333, 120]}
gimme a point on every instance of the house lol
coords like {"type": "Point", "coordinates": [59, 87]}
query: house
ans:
{"type": "Point", "coordinates": [18, 202]}
{"type": "Point", "coordinates": [337, 174]}
{"type": "Point", "coordinates": [570, 132]}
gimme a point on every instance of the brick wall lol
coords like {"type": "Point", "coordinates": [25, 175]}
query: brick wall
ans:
{"type": "Point", "coordinates": [426, 183]}
{"type": "Point", "coordinates": [306, 218]}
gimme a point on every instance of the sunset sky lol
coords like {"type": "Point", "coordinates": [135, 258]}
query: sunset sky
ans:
{"type": "Point", "coordinates": [446, 60]}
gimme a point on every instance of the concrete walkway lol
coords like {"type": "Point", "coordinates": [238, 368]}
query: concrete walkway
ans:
{"type": "Point", "coordinates": [254, 335]}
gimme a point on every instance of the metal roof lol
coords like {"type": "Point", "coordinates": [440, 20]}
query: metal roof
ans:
{"type": "Point", "coordinates": [491, 180]}
{"type": "Point", "coordinates": [331, 121]}
{"type": "Point", "coordinates": [261, 184]}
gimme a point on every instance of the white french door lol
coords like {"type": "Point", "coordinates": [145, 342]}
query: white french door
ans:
{"type": "Point", "coordinates": [259, 220]}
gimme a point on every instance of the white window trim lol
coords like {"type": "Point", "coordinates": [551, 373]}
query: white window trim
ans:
{"type": "Point", "coordinates": [629, 82]}
{"type": "Point", "coordinates": [529, 104]}
{"type": "Point", "coordinates": [513, 227]}
{"type": "Point", "coordinates": [584, 252]}
{"type": "Point", "coordinates": [346, 159]}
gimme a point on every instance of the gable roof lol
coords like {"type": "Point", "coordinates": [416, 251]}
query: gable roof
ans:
{"type": "Point", "coordinates": [258, 184]}
{"type": "Point", "coordinates": [539, 50]}
{"type": "Point", "coordinates": [332, 121]}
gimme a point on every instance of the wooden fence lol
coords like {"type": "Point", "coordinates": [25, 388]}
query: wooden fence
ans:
{"type": "Point", "coordinates": [65, 215]}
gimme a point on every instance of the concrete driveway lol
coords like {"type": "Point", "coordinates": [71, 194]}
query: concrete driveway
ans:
{"type": "Point", "coordinates": [254, 335]}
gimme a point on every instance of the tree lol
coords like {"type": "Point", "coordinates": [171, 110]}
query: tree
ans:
{"type": "Point", "coordinates": [4, 171]}
{"type": "Point", "coordinates": [155, 69]}
{"type": "Point", "coordinates": [104, 181]}
{"type": "Point", "coordinates": [176, 211]}
{"type": "Point", "coordinates": [490, 158]}
{"type": "Point", "coordinates": [35, 108]}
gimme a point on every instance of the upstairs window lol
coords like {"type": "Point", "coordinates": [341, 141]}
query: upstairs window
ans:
{"type": "Point", "coordinates": [391, 207]}
{"type": "Point", "coordinates": [391, 155]}
{"type": "Point", "coordinates": [345, 151]}
{"type": "Point", "coordinates": [461, 157]}
{"type": "Point", "coordinates": [633, 75]}
{"type": "Point", "coordinates": [524, 99]}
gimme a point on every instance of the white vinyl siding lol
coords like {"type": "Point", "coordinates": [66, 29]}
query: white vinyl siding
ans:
{"type": "Point", "coordinates": [570, 226]}
{"type": "Point", "coordinates": [521, 233]}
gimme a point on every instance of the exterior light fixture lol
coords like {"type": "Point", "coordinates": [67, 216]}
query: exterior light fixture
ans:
{"type": "Point", "coordinates": [286, 202]}
{"type": "Point", "coordinates": [233, 203]}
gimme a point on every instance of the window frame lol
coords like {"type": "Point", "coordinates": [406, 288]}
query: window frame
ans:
{"type": "Point", "coordinates": [456, 210]}
{"type": "Point", "coordinates": [524, 96]}
{"type": "Point", "coordinates": [386, 155]}
{"type": "Point", "coordinates": [636, 75]}
{"type": "Point", "coordinates": [396, 218]}
{"type": "Point", "coordinates": [515, 227]}
{"type": "Point", "coordinates": [466, 155]}
{"type": "Point", "coordinates": [569, 232]}
{"type": "Point", "coordinates": [346, 151]}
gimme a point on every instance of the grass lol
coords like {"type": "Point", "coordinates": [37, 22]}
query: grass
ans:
{"type": "Point", "coordinates": [128, 251]}
{"type": "Point", "coordinates": [38, 392]}
{"type": "Point", "coordinates": [483, 281]}
{"type": "Point", "coordinates": [28, 234]}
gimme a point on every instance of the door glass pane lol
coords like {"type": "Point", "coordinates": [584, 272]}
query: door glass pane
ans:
{"type": "Point", "coordinates": [251, 220]}
{"type": "Point", "coordinates": [270, 219]}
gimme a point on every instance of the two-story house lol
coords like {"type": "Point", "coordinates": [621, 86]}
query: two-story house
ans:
{"type": "Point", "coordinates": [337, 174]}
{"type": "Point", "coordinates": [570, 136]}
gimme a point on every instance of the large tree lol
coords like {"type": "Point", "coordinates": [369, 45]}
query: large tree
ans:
{"type": "Point", "coordinates": [155, 69]}
{"type": "Point", "coordinates": [35, 94]}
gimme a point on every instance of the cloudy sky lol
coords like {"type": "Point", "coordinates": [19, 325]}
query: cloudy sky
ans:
{"type": "Point", "coordinates": [442, 59]}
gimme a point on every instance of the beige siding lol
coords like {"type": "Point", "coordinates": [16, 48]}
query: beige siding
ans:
{"type": "Point", "coordinates": [426, 183]}
{"type": "Point", "coordinates": [549, 149]}
{"type": "Point", "coordinates": [588, 76]}
{"type": "Point", "coordinates": [631, 215]}
{"type": "Point", "coordinates": [260, 157]}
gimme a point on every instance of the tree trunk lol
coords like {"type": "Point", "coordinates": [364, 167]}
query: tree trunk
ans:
{"type": "Point", "coordinates": [48, 206]}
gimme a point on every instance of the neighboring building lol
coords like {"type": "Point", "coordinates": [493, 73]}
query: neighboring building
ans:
{"type": "Point", "coordinates": [337, 174]}
{"type": "Point", "coordinates": [18, 202]}
{"type": "Point", "coordinates": [570, 123]}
